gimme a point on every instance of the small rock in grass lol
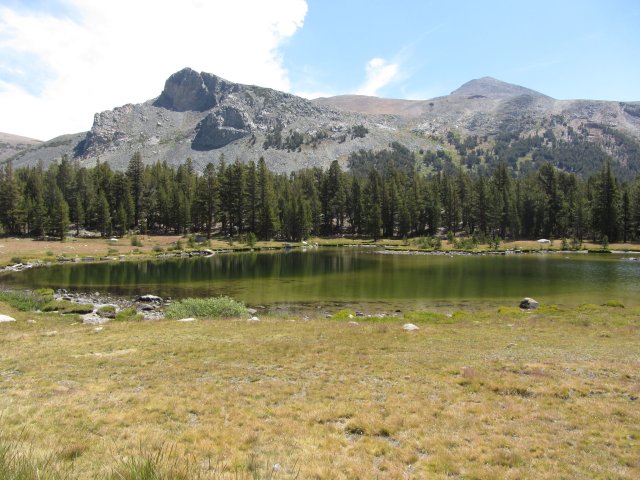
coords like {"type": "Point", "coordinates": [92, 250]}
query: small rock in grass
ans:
{"type": "Point", "coordinates": [31, 321]}
{"type": "Point", "coordinates": [51, 333]}
{"type": "Point", "coordinates": [252, 311]}
{"type": "Point", "coordinates": [410, 327]}
{"type": "Point", "coordinates": [353, 324]}
{"type": "Point", "coordinates": [98, 329]}
{"type": "Point", "coordinates": [254, 319]}
{"type": "Point", "coordinates": [6, 318]}
{"type": "Point", "coordinates": [528, 304]}
{"type": "Point", "coordinates": [189, 319]}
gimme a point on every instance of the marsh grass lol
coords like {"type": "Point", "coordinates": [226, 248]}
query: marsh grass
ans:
{"type": "Point", "coordinates": [67, 307]}
{"type": "Point", "coordinates": [546, 394]}
{"type": "Point", "coordinates": [25, 301]}
{"type": "Point", "coordinates": [215, 307]}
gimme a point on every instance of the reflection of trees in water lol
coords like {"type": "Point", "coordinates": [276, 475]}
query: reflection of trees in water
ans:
{"type": "Point", "coordinates": [346, 275]}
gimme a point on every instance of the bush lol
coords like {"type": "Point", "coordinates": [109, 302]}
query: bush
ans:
{"type": "Point", "coordinates": [158, 249]}
{"type": "Point", "coordinates": [128, 314]}
{"type": "Point", "coordinates": [107, 311]}
{"type": "Point", "coordinates": [343, 315]}
{"type": "Point", "coordinates": [215, 307]}
{"type": "Point", "coordinates": [614, 303]}
{"type": "Point", "coordinates": [251, 239]}
{"type": "Point", "coordinates": [136, 241]}
{"type": "Point", "coordinates": [16, 260]}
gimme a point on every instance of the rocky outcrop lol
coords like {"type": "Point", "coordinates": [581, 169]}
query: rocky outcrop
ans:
{"type": "Point", "coordinates": [220, 128]}
{"type": "Point", "coordinates": [189, 90]}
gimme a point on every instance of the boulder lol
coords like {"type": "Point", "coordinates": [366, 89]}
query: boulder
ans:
{"type": "Point", "coordinates": [6, 318]}
{"type": "Point", "coordinates": [149, 299]}
{"type": "Point", "coordinates": [528, 303]}
{"type": "Point", "coordinates": [410, 327]}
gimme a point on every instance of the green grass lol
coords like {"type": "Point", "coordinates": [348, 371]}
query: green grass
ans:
{"type": "Point", "coordinates": [24, 301]}
{"type": "Point", "coordinates": [215, 307]}
{"type": "Point", "coordinates": [65, 306]}
{"type": "Point", "coordinates": [128, 314]}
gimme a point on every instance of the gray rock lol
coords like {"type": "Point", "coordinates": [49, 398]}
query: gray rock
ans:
{"type": "Point", "coordinates": [149, 299]}
{"type": "Point", "coordinates": [410, 327]}
{"type": "Point", "coordinates": [252, 311]}
{"type": "Point", "coordinates": [189, 319]}
{"type": "Point", "coordinates": [6, 318]}
{"type": "Point", "coordinates": [528, 303]}
{"type": "Point", "coordinates": [254, 319]}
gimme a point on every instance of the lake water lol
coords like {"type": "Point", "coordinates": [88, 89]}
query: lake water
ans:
{"type": "Point", "coordinates": [356, 277]}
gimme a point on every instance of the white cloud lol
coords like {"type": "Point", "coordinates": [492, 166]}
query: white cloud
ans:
{"type": "Point", "coordinates": [379, 73]}
{"type": "Point", "coordinates": [121, 51]}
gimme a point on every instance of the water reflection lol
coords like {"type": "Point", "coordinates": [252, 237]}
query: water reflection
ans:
{"type": "Point", "coordinates": [353, 275]}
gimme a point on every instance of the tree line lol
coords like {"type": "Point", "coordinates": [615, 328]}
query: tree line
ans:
{"type": "Point", "coordinates": [240, 198]}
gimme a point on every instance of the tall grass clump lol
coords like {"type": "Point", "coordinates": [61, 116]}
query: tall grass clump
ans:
{"type": "Point", "coordinates": [25, 301]}
{"type": "Point", "coordinates": [16, 464]}
{"type": "Point", "coordinates": [215, 307]}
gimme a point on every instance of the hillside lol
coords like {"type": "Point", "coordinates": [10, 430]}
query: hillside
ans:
{"type": "Point", "coordinates": [10, 145]}
{"type": "Point", "coordinates": [204, 117]}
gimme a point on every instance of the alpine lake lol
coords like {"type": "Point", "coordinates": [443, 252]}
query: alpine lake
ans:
{"type": "Point", "coordinates": [360, 278]}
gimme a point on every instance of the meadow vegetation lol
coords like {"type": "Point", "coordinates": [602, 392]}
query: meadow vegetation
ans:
{"type": "Point", "coordinates": [497, 393]}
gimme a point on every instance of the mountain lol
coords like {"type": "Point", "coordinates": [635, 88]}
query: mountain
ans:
{"type": "Point", "coordinates": [203, 116]}
{"type": "Point", "coordinates": [10, 145]}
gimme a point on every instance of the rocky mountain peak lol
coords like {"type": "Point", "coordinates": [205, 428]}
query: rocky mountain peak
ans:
{"type": "Point", "coordinates": [492, 88]}
{"type": "Point", "coordinates": [188, 90]}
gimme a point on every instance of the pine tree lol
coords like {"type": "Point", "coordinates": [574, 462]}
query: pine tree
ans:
{"type": "Point", "coordinates": [135, 172]}
{"type": "Point", "coordinates": [267, 220]}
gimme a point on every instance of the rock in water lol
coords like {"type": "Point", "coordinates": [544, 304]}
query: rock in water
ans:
{"type": "Point", "coordinates": [6, 318]}
{"type": "Point", "coordinates": [410, 327]}
{"type": "Point", "coordinates": [149, 298]}
{"type": "Point", "coordinates": [528, 304]}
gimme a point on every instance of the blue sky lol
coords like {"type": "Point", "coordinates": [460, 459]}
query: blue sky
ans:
{"type": "Point", "coordinates": [61, 61]}
{"type": "Point", "coordinates": [566, 49]}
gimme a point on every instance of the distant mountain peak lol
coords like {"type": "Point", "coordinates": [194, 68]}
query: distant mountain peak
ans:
{"type": "Point", "coordinates": [493, 88]}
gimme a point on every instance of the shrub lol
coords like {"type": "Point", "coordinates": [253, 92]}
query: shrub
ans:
{"type": "Point", "coordinates": [107, 311]}
{"type": "Point", "coordinates": [136, 241]}
{"type": "Point", "coordinates": [614, 303]}
{"type": "Point", "coordinates": [251, 239]}
{"type": "Point", "coordinates": [112, 251]}
{"type": "Point", "coordinates": [128, 314]}
{"type": "Point", "coordinates": [16, 259]}
{"type": "Point", "coordinates": [158, 249]}
{"type": "Point", "coordinates": [214, 307]}
{"type": "Point", "coordinates": [343, 315]}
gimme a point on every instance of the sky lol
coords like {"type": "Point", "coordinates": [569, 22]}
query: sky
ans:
{"type": "Point", "coordinates": [61, 61]}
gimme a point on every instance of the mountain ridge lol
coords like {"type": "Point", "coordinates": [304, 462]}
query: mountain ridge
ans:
{"type": "Point", "coordinates": [202, 116]}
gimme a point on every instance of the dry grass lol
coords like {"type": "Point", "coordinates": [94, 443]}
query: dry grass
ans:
{"type": "Point", "coordinates": [496, 394]}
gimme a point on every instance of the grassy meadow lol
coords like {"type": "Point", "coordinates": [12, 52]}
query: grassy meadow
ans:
{"type": "Point", "coordinates": [504, 393]}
